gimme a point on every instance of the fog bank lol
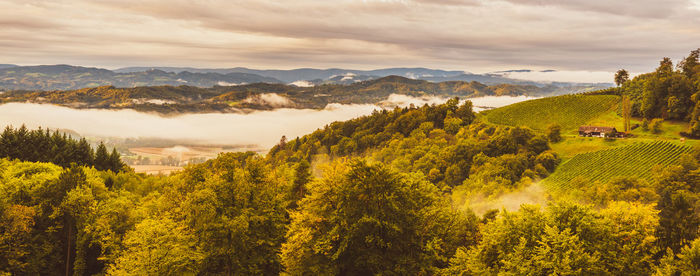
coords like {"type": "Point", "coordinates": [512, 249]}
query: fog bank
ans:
{"type": "Point", "coordinates": [261, 128]}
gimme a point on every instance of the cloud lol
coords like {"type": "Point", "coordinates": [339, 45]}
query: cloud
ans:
{"type": "Point", "coordinates": [570, 76]}
{"type": "Point", "coordinates": [302, 83]}
{"type": "Point", "coordinates": [269, 99]}
{"type": "Point", "coordinates": [638, 8]}
{"type": "Point", "coordinates": [472, 35]}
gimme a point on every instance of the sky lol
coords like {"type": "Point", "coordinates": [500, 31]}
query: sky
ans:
{"type": "Point", "coordinates": [576, 36]}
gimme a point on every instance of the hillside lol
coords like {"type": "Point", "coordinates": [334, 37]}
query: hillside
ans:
{"type": "Point", "coordinates": [308, 73]}
{"type": "Point", "coordinates": [569, 111]}
{"type": "Point", "coordinates": [66, 77]}
{"type": "Point", "coordinates": [169, 99]}
{"type": "Point", "coordinates": [635, 160]}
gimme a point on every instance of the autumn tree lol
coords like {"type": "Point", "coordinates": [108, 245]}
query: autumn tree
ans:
{"type": "Point", "coordinates": [678, 189]}
{"type": "Point", "coordinates": [158, 247]}
{"type": "Point", "coordinates": [299, 188]}
{"type": "Point", "coordinates": [365, 219]}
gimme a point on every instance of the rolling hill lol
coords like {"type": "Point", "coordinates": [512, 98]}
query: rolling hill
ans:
{"type": "Point", "coordinates": [66, 77]}
{"type": "Point", "coordinates": [636, 159]}
{"type": "Point", "coordinates": [166, 99]}
{"type": "Point", "coordinates": [569, 111]}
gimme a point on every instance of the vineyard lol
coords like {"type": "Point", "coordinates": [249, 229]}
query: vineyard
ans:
{"type": "Point", "coordinates": [569, 111]}
{"type": "Point", "coordinates": [634, 160]}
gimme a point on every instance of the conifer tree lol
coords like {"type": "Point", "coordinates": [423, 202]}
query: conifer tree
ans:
{"type": "Point", "coordinates": [102, 158]}
{"type": "Point", "coordinates": [84, 153]}
{"type": "Point", "coordinates": [115, 161]}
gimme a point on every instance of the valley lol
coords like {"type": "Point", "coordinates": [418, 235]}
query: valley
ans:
{"type": "Point", "coordinates": [152, 143]}
{"type": "Point", "coordinates": [354, 137]}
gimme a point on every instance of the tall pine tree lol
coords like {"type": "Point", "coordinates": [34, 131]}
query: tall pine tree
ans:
{"type": "Point", "coordinates": [102, 158]}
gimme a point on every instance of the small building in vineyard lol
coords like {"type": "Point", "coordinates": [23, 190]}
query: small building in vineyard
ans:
{"type": "Point", "coordinates": [599, 131]}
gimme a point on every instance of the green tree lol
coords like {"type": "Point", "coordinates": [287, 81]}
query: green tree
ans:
{"type": "Point", "coordinates": [364, 220]}
{"type": "Point", "coordinates": [63, 212]}
{"type": "Point", "coordinates": [686, 263]}
{"type": "Point", "coordinates": [694, 127]}
{"type": "Point", "coordinates": [655, 125]}
{"type": "Point", "coordinates": [689, 259]}
{"type": "Point", "coordinates": [236, 204]}
{"type": "Point", "coordinates": [690, 65]}
{"type": "Point", "coordinates": [621, 76]}
{"type": "Point", "coordinates": [115, 161]}
{"type": "Point", "coordinates": [16, 224]}
{"type": "Point", "coordinates": [84, 154]}
{"type": "Point", "coordinates": [102, 158]}
{"type": "Point", "coordinates": [452, 125]}
{"type": "Point", "coordinates": [554, 133]}
{"type": "Point", "coordinates": [626, 112]}
{"type": "Point", "coordinates": [465, 112]}
{"type": "Point", "coordinates": [565, 239]}
{"type": "Point", "coordinates": [678, 188]}
{"type": "Point", "coordinates": [299, 188]}
{"type": "Point", "coordinates": [158, 247]}
{"type": "Point", "coordinates": [645, 124]}
{"type": "Point", "coordinates": [558, 253]}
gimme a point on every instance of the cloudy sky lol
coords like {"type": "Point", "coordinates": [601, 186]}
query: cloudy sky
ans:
{"type": "Point", "coordinates": [470, 35]}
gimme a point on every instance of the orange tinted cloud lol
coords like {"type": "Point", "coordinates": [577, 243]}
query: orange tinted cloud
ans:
{"type": "Point", "coordinates": [470, 35]}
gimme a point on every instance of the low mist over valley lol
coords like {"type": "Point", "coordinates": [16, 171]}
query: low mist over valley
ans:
{"type": "Point", "coordinates": [258, 130]}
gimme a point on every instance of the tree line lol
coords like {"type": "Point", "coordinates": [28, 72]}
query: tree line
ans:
{"type": "Point", "coordinates": [669, 93]}
{"type": "Point", "coordinates": [42, 145]}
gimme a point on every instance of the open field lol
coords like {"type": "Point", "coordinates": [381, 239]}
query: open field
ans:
{"type": "Point", "coordinates": [180, 152]}
{"type": "Point", "coordinates": [164, 160]}
{"type": "Point", "coordinates": [155, 169]}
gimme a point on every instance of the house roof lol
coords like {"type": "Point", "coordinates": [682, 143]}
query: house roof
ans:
{"type": "Point", "coordinates": [587, 129]}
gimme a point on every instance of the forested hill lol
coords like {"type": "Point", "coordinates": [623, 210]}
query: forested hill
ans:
{"type": "Point", "coordinates": [443, 142]}
{"type": "Point", "coordinates": [67, 77]}
{"type": "Point", "coordinates": [169, 99]}
{"type": "Point", "coordinates": [61, 77]}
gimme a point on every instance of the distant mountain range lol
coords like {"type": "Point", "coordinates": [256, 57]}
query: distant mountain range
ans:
{"type": "Point", "coordinates": [307, 74]}
{"type": "Point", "coordinates": [67, 77]}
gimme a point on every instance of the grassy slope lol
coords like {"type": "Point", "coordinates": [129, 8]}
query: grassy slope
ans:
{"type": "Point", "coordinates": [573, 145]}
{"type": "Point", "coordinates": [569, 111]}
{"type": "Point", "coordinates": [632, 160]}
{"type": "Point", "coordinates": [590, 157]}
